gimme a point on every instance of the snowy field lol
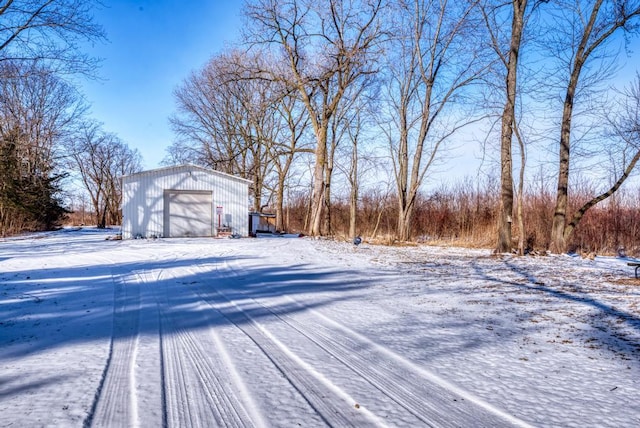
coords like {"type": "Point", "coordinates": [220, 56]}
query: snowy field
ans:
{"type": "Point", "coordinates": [284, 332]}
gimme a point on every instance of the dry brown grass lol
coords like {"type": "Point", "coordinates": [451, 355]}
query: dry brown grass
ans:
{"type": "Point", "coordinates": [464, 215]}
{"type": "Point", "coordinates": [626, 281]}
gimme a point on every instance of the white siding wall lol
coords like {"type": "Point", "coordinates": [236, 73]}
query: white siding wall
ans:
{"type": "Point", "coordinates": [143, 198]}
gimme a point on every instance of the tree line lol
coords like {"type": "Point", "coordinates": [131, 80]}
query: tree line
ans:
{"type": "Point", "coordinates": [373, 88]}
{"type": "Point", "coordinates": [338, 100]}
{"type": "Point", "coordinates": [47, 137]}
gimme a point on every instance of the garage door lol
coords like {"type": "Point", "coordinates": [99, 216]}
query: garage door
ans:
{"type": "Point", "coordinates": [188, 214]}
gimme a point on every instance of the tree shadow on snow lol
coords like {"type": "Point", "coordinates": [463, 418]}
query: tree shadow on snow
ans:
{"type": "Point", "coordinates": [607, 321]}
{"type": "Point", "coordinates": [13, 385]}
{"type": "Point", "coordinates": [48, 308]}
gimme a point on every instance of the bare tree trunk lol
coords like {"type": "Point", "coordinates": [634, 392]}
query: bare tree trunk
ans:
{"type": "Point", "coordinates": [520, 212]}
{"type": "Point", "coordinates": [280, 206]}
{"type": "Point", "coordinates": [353, 197]}
{"type": "Point", "coordinates": [402, 178]}
{"type": "Point", "coordinates": [307, 217]}
{"type": "Point", "coordinates": [405, 216]}
{"type": "Point", "coordinates": [520, 208]}
{"type": "Point", "coordinates": [506, 184]}
{"type": "Point", "coordinates": [257, 194]}
{"type": "Point", "coordinates": [558, 243]}
{"type": "Point", "coordinates": [102, 215]}
{"type": "Point", "coordinates": [426, 76]}
{"type": "Point", "coordinates": [375, 229]}
{"type": "Point", "coordinates": [287, 222]}
{"type": "Point", "coordinates": [508, 116]}
{"type": "Point", "coordinates": [327, 201]}
{"type": "Point", "coordinates": [317, 198]}
{"type": "Point", "coordinates": [585, 48]}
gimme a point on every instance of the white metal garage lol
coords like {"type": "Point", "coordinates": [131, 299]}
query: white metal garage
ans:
{"type": "Point", "coordinates": [183, 201]}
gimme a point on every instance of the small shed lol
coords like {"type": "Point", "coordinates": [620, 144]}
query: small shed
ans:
{"type": "Point", "coordinates": [261, 223]}
{"type": "Point", "coordinates": [183, 201]}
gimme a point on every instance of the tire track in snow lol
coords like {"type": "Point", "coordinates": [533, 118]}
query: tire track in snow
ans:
{"type": "Point", "coordinates": [164, 377]}
{"type": "Point", "coordinates": [109, 409]}
{"type": "Point", "coordinates": [150, 382]}
{"type": "Point", "coordinates": [430, 398]}
{"type": "Point", "coordinates": [196, 392]}
{"type": "Point", "coordinates": [319, 392]}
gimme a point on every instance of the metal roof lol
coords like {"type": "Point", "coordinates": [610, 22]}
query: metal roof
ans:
{"type": "Point", "coordinates": [182, 168]}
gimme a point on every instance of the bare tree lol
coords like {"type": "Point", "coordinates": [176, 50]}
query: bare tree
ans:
{"type": "Point", "coordinates": [327, 47]}
{"type": "Point", "coordinates": [590, 29]}
{"type": "Point", "coordinates": [506, 134]}
{"type": "Point", "coordinates": [348, 141]}
{"type": "Point", "coordinates": [39, 42]}
{"type": "Point", "coordinates": [289, 143]}
{"type": "Point", "coordinates": [43, 106]}
{"type": "Point", "coordinates": [38, 111]}
{"type": "Point", "coordinates": [49, 32]}
{"type": "Point", "coordinates": [205, 123]}
{"type": "Point", "coordinates": [102, 159]}
{"type": "Point", "coordinates": [520, 194]}
{"type": "Point", "coordinates": [626, 129]}
{"type": "Point", "coordinates": [358, 161]}
{"type": "Point", "coordinates": [125, 161]}
{"type": "Point", "coordinates": [354, 131]}
{"type": "Point", "coordinates": [433, 58]}
{"type": "Point", "coordinates": [227, 119]}
{"type": "Point", "coordinates": [257, 127]}
{"type": "Point", "coordinates": [338, 128]}
{"type": "Point", "coordinates": [508, 50]}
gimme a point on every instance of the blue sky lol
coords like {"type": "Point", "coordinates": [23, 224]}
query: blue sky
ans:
{"type": "Point", "coordinates": [152, 48]}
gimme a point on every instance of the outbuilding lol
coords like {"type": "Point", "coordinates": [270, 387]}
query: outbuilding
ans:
{"type": "Point", "coordinates": [184, 201]}
{"type": "Point", "coordinates": [261, 223]}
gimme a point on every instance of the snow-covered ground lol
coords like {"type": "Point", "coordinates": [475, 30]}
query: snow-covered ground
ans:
{"type": "Point", "coordinates": [302, 332]}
